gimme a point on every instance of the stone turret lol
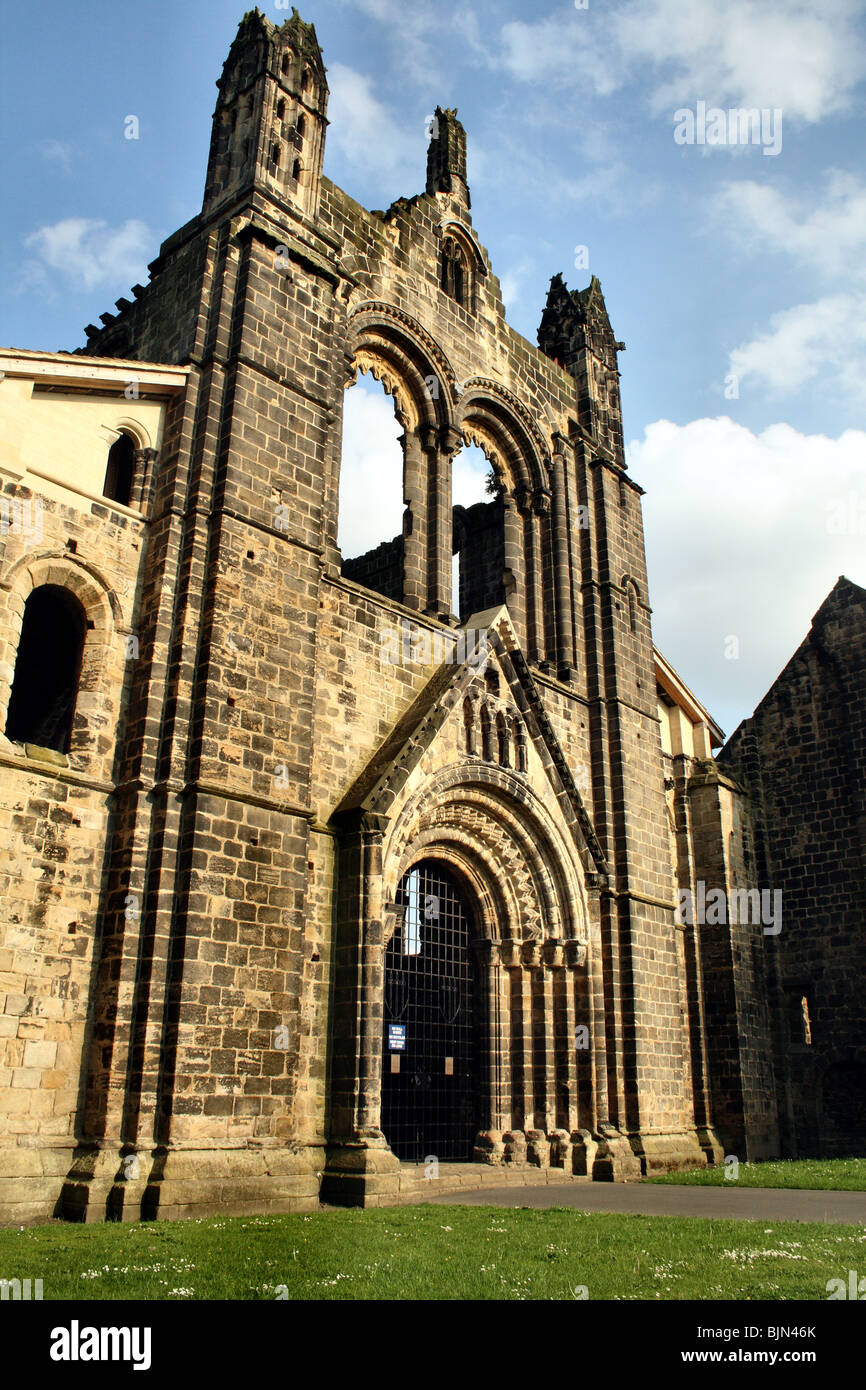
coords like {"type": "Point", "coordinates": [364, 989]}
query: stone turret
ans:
{"type": "Point", "coordinates": [446, 157]}
{"type": "Point", "coordinates": [575, 331]}
{"type": "Point", "coordinates": [269, 123]}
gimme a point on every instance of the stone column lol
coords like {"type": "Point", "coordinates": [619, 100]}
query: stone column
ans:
{"type": "Point", "coordinates": [488, 1145]}
{"type": "Point", "coordinates": [544, 580]}
{"type": "Point", "coordinates": [574, 957]}
{"type": "Point", "coordinates": [515, 585]}
{"type": "Point", "coordinates": [142, 477]}
{"type": "Point", "coordinates": [516, 1116]}
{"type": "Point", "coordinates": [440, 446]}
{"type": "Point", "coordinates": [416, 463]}
{"type": "Point", "coordinates": [360, 1165]}
{"type": "Point", "coordinates": [566, 669]}
{"type": "Point", "coordinates": [531, 580]}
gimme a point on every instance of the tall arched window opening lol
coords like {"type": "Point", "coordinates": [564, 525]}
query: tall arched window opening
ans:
{"type": "Point", "coordinates": [47, 669]}
{"type": "Point", "coordinates": [120, 471]}
{"type": "Point", "coordinates": [477, 537]}
{"type": "Point", "coordinates": [371, 489]}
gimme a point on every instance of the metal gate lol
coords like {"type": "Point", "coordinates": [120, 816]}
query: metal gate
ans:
{"type": "Point", "coordinates": [429, 1092]}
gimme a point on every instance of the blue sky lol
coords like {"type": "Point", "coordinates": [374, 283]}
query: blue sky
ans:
{"type": "Point", "coordinates": [736, 278]}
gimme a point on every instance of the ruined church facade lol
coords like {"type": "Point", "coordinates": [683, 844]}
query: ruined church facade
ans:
{"type": "Point", "coordinates": [312, 878]}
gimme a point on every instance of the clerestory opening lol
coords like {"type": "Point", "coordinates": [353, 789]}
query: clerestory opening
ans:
{"type": "Point", "coordinates": [371, 489]}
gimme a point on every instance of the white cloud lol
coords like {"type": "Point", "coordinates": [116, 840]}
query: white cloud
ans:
{"type": "Point", "coordinates": [371, 472]}
{"type": "Point", "coordinates": [824, 339]}
{"type": "Point", "coordinates": [773, 53]}
{"type": "Point", "coordinates": [58, 151]}
{"type": "Point", "coordinates": [512, 280]}
{"type": "Point", "coordinates": [409, 26]}
{"type": "Point", "coordinates": [365, 131]}
{"type": "Point", "coordinates": [743, 540]}
{"type": "Point", "coordinates": [469, 475]}
{"type": "Point", "coordinates": [561, 48]}
{"type": "Point", "coordinates": [88, 252]}
{"type": "Point", "coordinates": [787, 53]}
{"type": "Point", "coordinates": [828, 235]}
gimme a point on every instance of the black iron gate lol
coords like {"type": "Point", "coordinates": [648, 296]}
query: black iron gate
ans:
{"type": "Point", "coordinates": [429, 1091]}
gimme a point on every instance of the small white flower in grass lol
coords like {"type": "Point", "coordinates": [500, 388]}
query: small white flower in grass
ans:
{"type": "Point", "coordinates": [445, 1228]}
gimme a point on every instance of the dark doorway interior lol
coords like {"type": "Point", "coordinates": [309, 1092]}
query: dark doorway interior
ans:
{"type": "Point", "coordinates": [430, 1095]}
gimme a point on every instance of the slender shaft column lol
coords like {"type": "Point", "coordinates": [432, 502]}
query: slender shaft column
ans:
{"type": "Point", "coordinates": [415, 484]}
{"type": "Point", "coordinates": [550, 962]}
{"type": "Point", "coordinates": [372, 985]}
{"type": "Point", "coordinates": [440, 447]}
{"type": "Point", "coordinates": [529, 954]}
{"type": "Point", "coordinates": [531, 574]}
{"type": "Point", "coordinates": [578, 1111]}
{"type": "Point", "coordinates": [142, 477]}
{"type": "Point", "coordinates": [545, 580]}
{"type": "Point", "coordinates": [561, 568]}
{"type": "Point", "coordinates": [489, 1144]}
{"type": "Point", "coordinates": [569, 1053]}
{"type": "Point", "coordinates": [515, 585]}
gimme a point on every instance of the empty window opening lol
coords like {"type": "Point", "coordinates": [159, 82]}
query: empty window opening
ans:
{"type": "Point", "coordinates": [281, 109]}
{"type": "Point", "coordinates": [47, 669]}
{"type": "Point", "coordinates": [296, 171]}
{"type": "Point", "coordinates": [371, 515]}
{"type": "Point", "coordinates": [306, 80]}
{"type": "Point", "coordinates": [632, 606]}
{"type": "Point", "coordinates": [285, 64]}
{"type": "Point", "coordinates": [471, 517]}
{"type": "Point", "coordinates": [454, 274]}
{"type": "Point", "coordinates": [120, 471]}
{"type": "Point", "coordinates": [302, 127]}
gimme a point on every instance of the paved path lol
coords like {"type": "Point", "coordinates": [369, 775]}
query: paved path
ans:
{"type": "Point", "coordinates": [731, 1203]}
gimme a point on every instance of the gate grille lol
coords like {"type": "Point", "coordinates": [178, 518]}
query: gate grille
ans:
{"type": "Point", "coordinates": [429, 1106]}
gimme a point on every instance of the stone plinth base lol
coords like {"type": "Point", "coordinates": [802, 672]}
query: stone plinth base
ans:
{"type": "Point", "coordinates": [489, 1147]}
{"type": "Point", "coordinates": [170, 1184]}
{"type": "Point", "coordinates": [614, 1159]}
{"type": "Point", "coordinates": [668, 1153]}
{"type": "Point", "coordinates": [31, 1179]}
{"type": "Point", "coordinates": [359, 1173]}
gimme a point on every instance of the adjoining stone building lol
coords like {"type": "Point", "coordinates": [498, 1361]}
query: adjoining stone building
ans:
{"type": "Point", "coordinates": [309, 876]}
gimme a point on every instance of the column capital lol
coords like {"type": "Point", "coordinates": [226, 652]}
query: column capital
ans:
{"type": "Point", "coordinates": [541, 500]}
{"type": "Point", "coordinates": [450, 439]}
{"type": "Point", "coordinates": [488, 951]}
{"type": "Point", "coordinates": [575, 954]}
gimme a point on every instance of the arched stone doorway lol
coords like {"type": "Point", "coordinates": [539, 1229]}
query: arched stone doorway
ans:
{"type": "Point", "coordinates": [432, 1020]}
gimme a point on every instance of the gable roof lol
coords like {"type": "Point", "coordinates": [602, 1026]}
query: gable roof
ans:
{"type": "Point", "coordinates": [379, 785]}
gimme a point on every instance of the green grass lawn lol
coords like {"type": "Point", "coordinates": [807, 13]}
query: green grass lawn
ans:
{"type": "Point", "coordinates": [436, 1252]}
{"type": "Point", "coordinates": [826, 1174]}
